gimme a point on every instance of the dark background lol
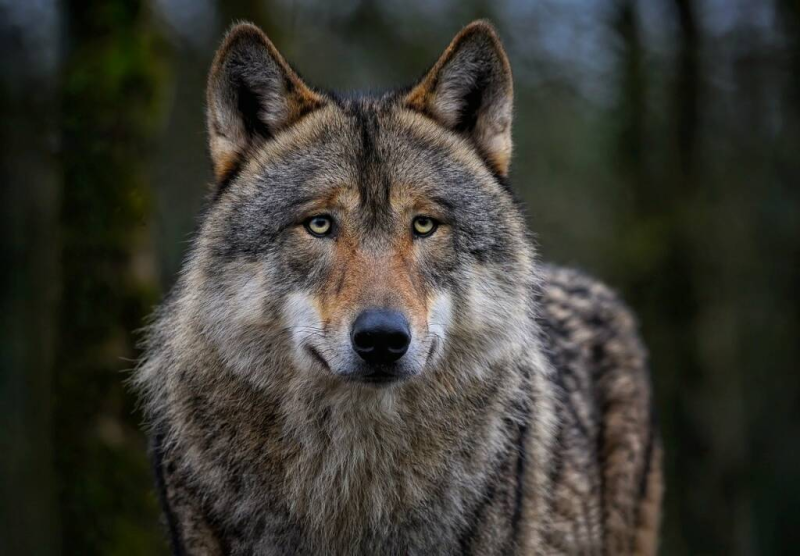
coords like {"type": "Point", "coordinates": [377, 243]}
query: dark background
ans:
{"type": "Point", "coordinates": [656, 147]}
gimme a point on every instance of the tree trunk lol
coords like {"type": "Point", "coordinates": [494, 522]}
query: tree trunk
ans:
{"type": "Point", "coordinates": [28, 282]}
{"type": "Point", "coordinates": [113, 84]}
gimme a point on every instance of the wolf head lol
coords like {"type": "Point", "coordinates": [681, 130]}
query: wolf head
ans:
{"type": "Point", "coordinates": [360, 241]}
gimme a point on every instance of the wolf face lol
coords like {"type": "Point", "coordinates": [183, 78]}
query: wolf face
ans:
{"type": "Point", "coordinates": [358, 240]}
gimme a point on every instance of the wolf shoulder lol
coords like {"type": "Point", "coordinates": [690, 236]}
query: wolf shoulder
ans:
{"type": "Point", "coordinates": [606, 471]}
{"type": "Point", "coordinates": [586, 324]}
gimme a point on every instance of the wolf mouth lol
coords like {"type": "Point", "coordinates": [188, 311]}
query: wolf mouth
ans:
{"type": "Point", "coordinates": [377, 377]}
{"type": "Point", "coordinates": [321, 360]}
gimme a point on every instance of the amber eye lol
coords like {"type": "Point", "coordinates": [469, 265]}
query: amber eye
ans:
{"type": "Point", "coordinates": [319, 226]}
{"type": "Point", "coordinates": [424, 226]}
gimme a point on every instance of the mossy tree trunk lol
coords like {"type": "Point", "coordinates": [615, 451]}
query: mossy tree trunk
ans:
{"type": "Point", "coordinates": [29, 189]}
{"type": "Point", "coordinates": [114, 75]}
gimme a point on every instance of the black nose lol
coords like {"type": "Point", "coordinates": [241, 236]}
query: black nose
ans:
{"type": "Point", "coordinates": [381, 335]}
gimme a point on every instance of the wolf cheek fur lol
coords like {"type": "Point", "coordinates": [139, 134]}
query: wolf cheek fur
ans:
{"type": "Point", "coordinates": [514, 414]}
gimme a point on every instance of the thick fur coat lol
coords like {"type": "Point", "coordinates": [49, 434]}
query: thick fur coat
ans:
{"type": "Point", "coordinates": [518, 421]}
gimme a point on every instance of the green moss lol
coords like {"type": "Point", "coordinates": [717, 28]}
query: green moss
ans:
{"type": "Point", "coordinates": [112, 104]}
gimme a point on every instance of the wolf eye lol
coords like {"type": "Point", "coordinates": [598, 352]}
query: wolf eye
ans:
{"type": "Point", "coordinates": [424, 226]}
{"type": "Point", "coordinates": [319, 226]}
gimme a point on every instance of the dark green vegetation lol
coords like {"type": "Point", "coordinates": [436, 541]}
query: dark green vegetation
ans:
{"type": "Point", "coordinates": [656, 147]}
{"type": "Point", "coordinates": [113, 81]}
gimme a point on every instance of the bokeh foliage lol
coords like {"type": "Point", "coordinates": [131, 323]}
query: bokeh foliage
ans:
{"type": "Point", "coordinates": [112, 104]}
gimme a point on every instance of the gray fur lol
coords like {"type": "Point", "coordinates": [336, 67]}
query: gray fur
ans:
{"type": "Point", "coordinates": [526, 424]}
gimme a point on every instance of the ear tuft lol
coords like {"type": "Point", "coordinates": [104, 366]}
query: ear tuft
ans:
{"type": "Point", "coordinates": [252, 95]}
{"type": "Point", "coordinates": [470, 91]}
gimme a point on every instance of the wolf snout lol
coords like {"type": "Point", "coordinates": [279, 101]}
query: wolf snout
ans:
{"type": "Point", "coordinates": [380, 336]}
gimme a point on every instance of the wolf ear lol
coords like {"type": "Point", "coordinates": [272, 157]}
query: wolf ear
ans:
{"type": "Point", "coordinates": [252, 95]}
{"type": "Point", "coordinates": [469, 90]}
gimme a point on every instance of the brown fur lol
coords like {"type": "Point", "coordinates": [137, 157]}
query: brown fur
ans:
{"type": "Point", "coordinates": [523, 422]}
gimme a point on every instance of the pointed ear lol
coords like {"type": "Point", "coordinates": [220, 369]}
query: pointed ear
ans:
{"type": "Point", "coordinates": [252, 95]}
{"type": "Point", "coordinates": [470, 91]}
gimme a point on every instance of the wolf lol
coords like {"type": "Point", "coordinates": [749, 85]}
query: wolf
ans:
{"type": "Point", "coordinates": [363, 354]}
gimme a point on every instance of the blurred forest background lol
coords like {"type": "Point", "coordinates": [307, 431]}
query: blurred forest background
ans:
{"type": "Point", "coordinates": [657, 146]}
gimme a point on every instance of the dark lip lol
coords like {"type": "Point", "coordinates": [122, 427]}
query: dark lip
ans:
{"type": "Point", "coordinates": [434, 344]}
{"type": "Point", "coordinates": [321, 360]}
{"type": "Point", "coordinates": [371, 379]}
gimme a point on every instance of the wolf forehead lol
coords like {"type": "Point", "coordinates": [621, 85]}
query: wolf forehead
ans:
{"type": "Point", "coordinates": [383, 157]}
{"type": "Point", "coordinates": [372, 149]}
